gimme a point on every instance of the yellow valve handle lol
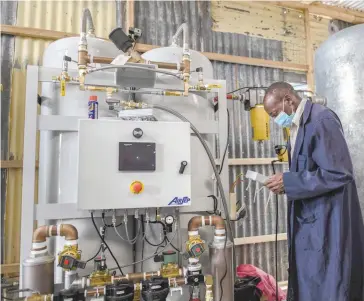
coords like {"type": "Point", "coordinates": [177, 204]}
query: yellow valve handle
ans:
{"type": "Point", "coordinates": [63, 88]}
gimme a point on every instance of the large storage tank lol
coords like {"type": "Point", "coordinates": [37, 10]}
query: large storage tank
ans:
{"type": "Point", "coordinates": [59, 151]}
{"type": "Point", "coordinates": [339, 65]}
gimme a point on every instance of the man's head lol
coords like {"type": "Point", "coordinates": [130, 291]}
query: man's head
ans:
{"type": "Point", "coordinates": [281, 97]}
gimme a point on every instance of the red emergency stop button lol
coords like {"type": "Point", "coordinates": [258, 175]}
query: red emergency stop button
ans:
{"type": "Point", "coordinates": [136, 187]}
{"type": "Point", "coordinates": [66, 262]}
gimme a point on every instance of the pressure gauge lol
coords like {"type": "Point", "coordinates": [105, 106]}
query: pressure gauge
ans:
{"type": "Point", "coordinates": [169, 220]}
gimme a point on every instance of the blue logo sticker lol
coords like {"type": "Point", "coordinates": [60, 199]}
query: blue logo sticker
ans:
{"type": "Point", "coordinates": [179, 201]}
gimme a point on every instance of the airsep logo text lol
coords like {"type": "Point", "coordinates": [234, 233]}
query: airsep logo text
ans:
{"type": "Point", "coordinates": [179, 201]}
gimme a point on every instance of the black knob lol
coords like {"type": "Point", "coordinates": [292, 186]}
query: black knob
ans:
{"type": "Point", "coordinates": [182, 167]}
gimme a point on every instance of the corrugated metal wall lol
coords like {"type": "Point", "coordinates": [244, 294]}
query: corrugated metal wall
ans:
{"type": "Point", "coordinates": [8, 16]}
{"type": "Point", "coordinates": [159, 20]}
{"type": "Point", "coordinates": [53, 15]}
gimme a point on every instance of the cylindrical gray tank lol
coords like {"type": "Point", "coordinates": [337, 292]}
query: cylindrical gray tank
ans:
{"type": "Point", "coordinates": [38, 274]}
{"type": "Point", "coordinates": [339, 75]}
{"type": "Point", "coordinates": [218, 255]}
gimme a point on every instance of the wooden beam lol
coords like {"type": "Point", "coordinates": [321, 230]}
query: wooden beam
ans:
{"type": "Point", "coordinates": [240, 241]}
{"type": "Point", "coordinates": [309, 53]}
{"type": "Point", "coordinates": [14, 163]}
{"type": "Point", "coordinates": [254, 61]}
{"type": "Point", "coordinates": [10, 268]}
{"type": "Point", "coordinates": [35, 33]}
{"type": "Point", "coordinates": [54, 35]}
{"type": "Point", "coordinates": [11, 163]}
{"type": "Point", "coordinates": [130, 14]}
{"type": "Point", "coordinates": [333, 12]}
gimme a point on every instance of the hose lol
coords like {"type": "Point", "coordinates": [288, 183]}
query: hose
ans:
{"type": "Point", "coordinates": [87, 22]}
{"type": "Point", "coordinates": [134, 67]}
{"type": "Point", "coordinates": [183, 27]}
{"type": "Point", "coordinates": [216, 172]}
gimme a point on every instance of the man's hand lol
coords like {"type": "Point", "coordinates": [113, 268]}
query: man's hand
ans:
{"type": "Point", "coordinates": [275, 183]}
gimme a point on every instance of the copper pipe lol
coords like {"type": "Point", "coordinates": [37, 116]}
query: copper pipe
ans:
{"type": "Point", "coordinates": [100, 59]}
{"type": "Point", "coordinates": [136, 277]}
{"type": "Point", "coordinates": [95, 292]}
{"type": "Point", "coordinates": [84, 59]}
{"type": "Point", "coordinates": [180, 281]}
{"type": "Point", "coordinates": [40, 234]}
{"type": "Point", "coordinates": [68, 231]}
{"type": "Point", "coordinates": [196, 222]}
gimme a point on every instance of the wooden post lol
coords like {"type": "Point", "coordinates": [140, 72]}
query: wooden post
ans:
{"type": "Point", "coordinates": [129, 14]}
{"type": "Point", "coordinates": [309, 53]}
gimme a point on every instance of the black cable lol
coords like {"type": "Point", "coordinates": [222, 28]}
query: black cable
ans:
{"type": "Point", "coordinates": [97, 253]}
{"type": "Point", "coordinates": [104, 242]}
{"type": "Point", "coordinates": [215, 204]}
{"type": "Point", "coordinates": [175, 248]}
{"type": "Point", "coordinates": [248, 88]}
{"type": "Point", "coordinates": [226, 268]}
{"type": "Point", "coordinates": [227, 141]}
{"type": "Point", "coordinates": [276, 238]}
{"type": "Point", "coordinates": [6, 298]}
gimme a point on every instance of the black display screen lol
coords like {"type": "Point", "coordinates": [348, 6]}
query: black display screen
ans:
{"type": "Point", "coordinates": [136, 156]}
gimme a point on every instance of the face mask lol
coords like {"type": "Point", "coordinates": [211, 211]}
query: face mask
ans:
{"type": "Point", "coordinates": [283, 119]}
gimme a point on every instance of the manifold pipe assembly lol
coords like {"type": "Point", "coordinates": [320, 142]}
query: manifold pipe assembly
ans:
{"type": "Point", "coordinates": [38, 268]}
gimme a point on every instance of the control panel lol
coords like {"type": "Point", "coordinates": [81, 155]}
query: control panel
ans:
{"type": "Point", "coordinates": [133, 164]}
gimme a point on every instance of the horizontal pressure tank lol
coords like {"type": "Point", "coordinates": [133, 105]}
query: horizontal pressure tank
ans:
{"type": "Point", "coordinates": [339, 75]}
{"type": "Point", "coordinates": [59, 151]}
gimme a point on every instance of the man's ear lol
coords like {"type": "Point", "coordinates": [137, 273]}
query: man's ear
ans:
{"type": "Point", "coordinates": [288, 100]}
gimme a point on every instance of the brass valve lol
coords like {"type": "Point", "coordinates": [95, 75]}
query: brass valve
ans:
{"type": "Point", "coordinates": [195, 246]}
{"type": "Point", "coordinates": [70, 258]}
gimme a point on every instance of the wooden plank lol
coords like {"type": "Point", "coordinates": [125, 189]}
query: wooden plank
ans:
{"type": "Point", "coordinates": [10, 268]}
{"type": "Point", "coordinates": [254, 61]}
{"type": "Point", "coordinates": [14, 163]}
{"type": "Point", "coordinates": [309, 52]}
{"type": "Point", "coordinates": [11, 163]}
{"type": "Point", "coordinates": [130, 14]}
{"type": "Point", "coordinates": [54, 35]}
{"type": "Point", "coordinates": [35, 33]}
{"type": "Point", "coordinates": [348, 15]}
{"type": "Point", "coordinates": [240, 241]}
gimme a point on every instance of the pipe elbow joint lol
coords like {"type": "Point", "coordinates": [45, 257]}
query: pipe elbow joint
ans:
{"type": "Point", "coordinates": [68, 231]}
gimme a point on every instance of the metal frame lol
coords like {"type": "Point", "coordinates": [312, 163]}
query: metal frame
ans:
{"type": "Point", "coordinates": [33, 123]}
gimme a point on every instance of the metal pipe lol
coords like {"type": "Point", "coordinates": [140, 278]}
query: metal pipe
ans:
{"type": "Point", "coordinates": [87, 22]}
{"type": "Point", "coordinates": [133, 67]}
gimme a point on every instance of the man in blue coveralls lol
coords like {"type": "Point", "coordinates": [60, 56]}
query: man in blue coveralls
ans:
{"type": "Point", "coordinates": [325, 225]}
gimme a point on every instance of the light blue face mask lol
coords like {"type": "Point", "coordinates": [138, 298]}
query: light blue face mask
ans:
{"type": "Point", "coordinates": [283, 119]}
